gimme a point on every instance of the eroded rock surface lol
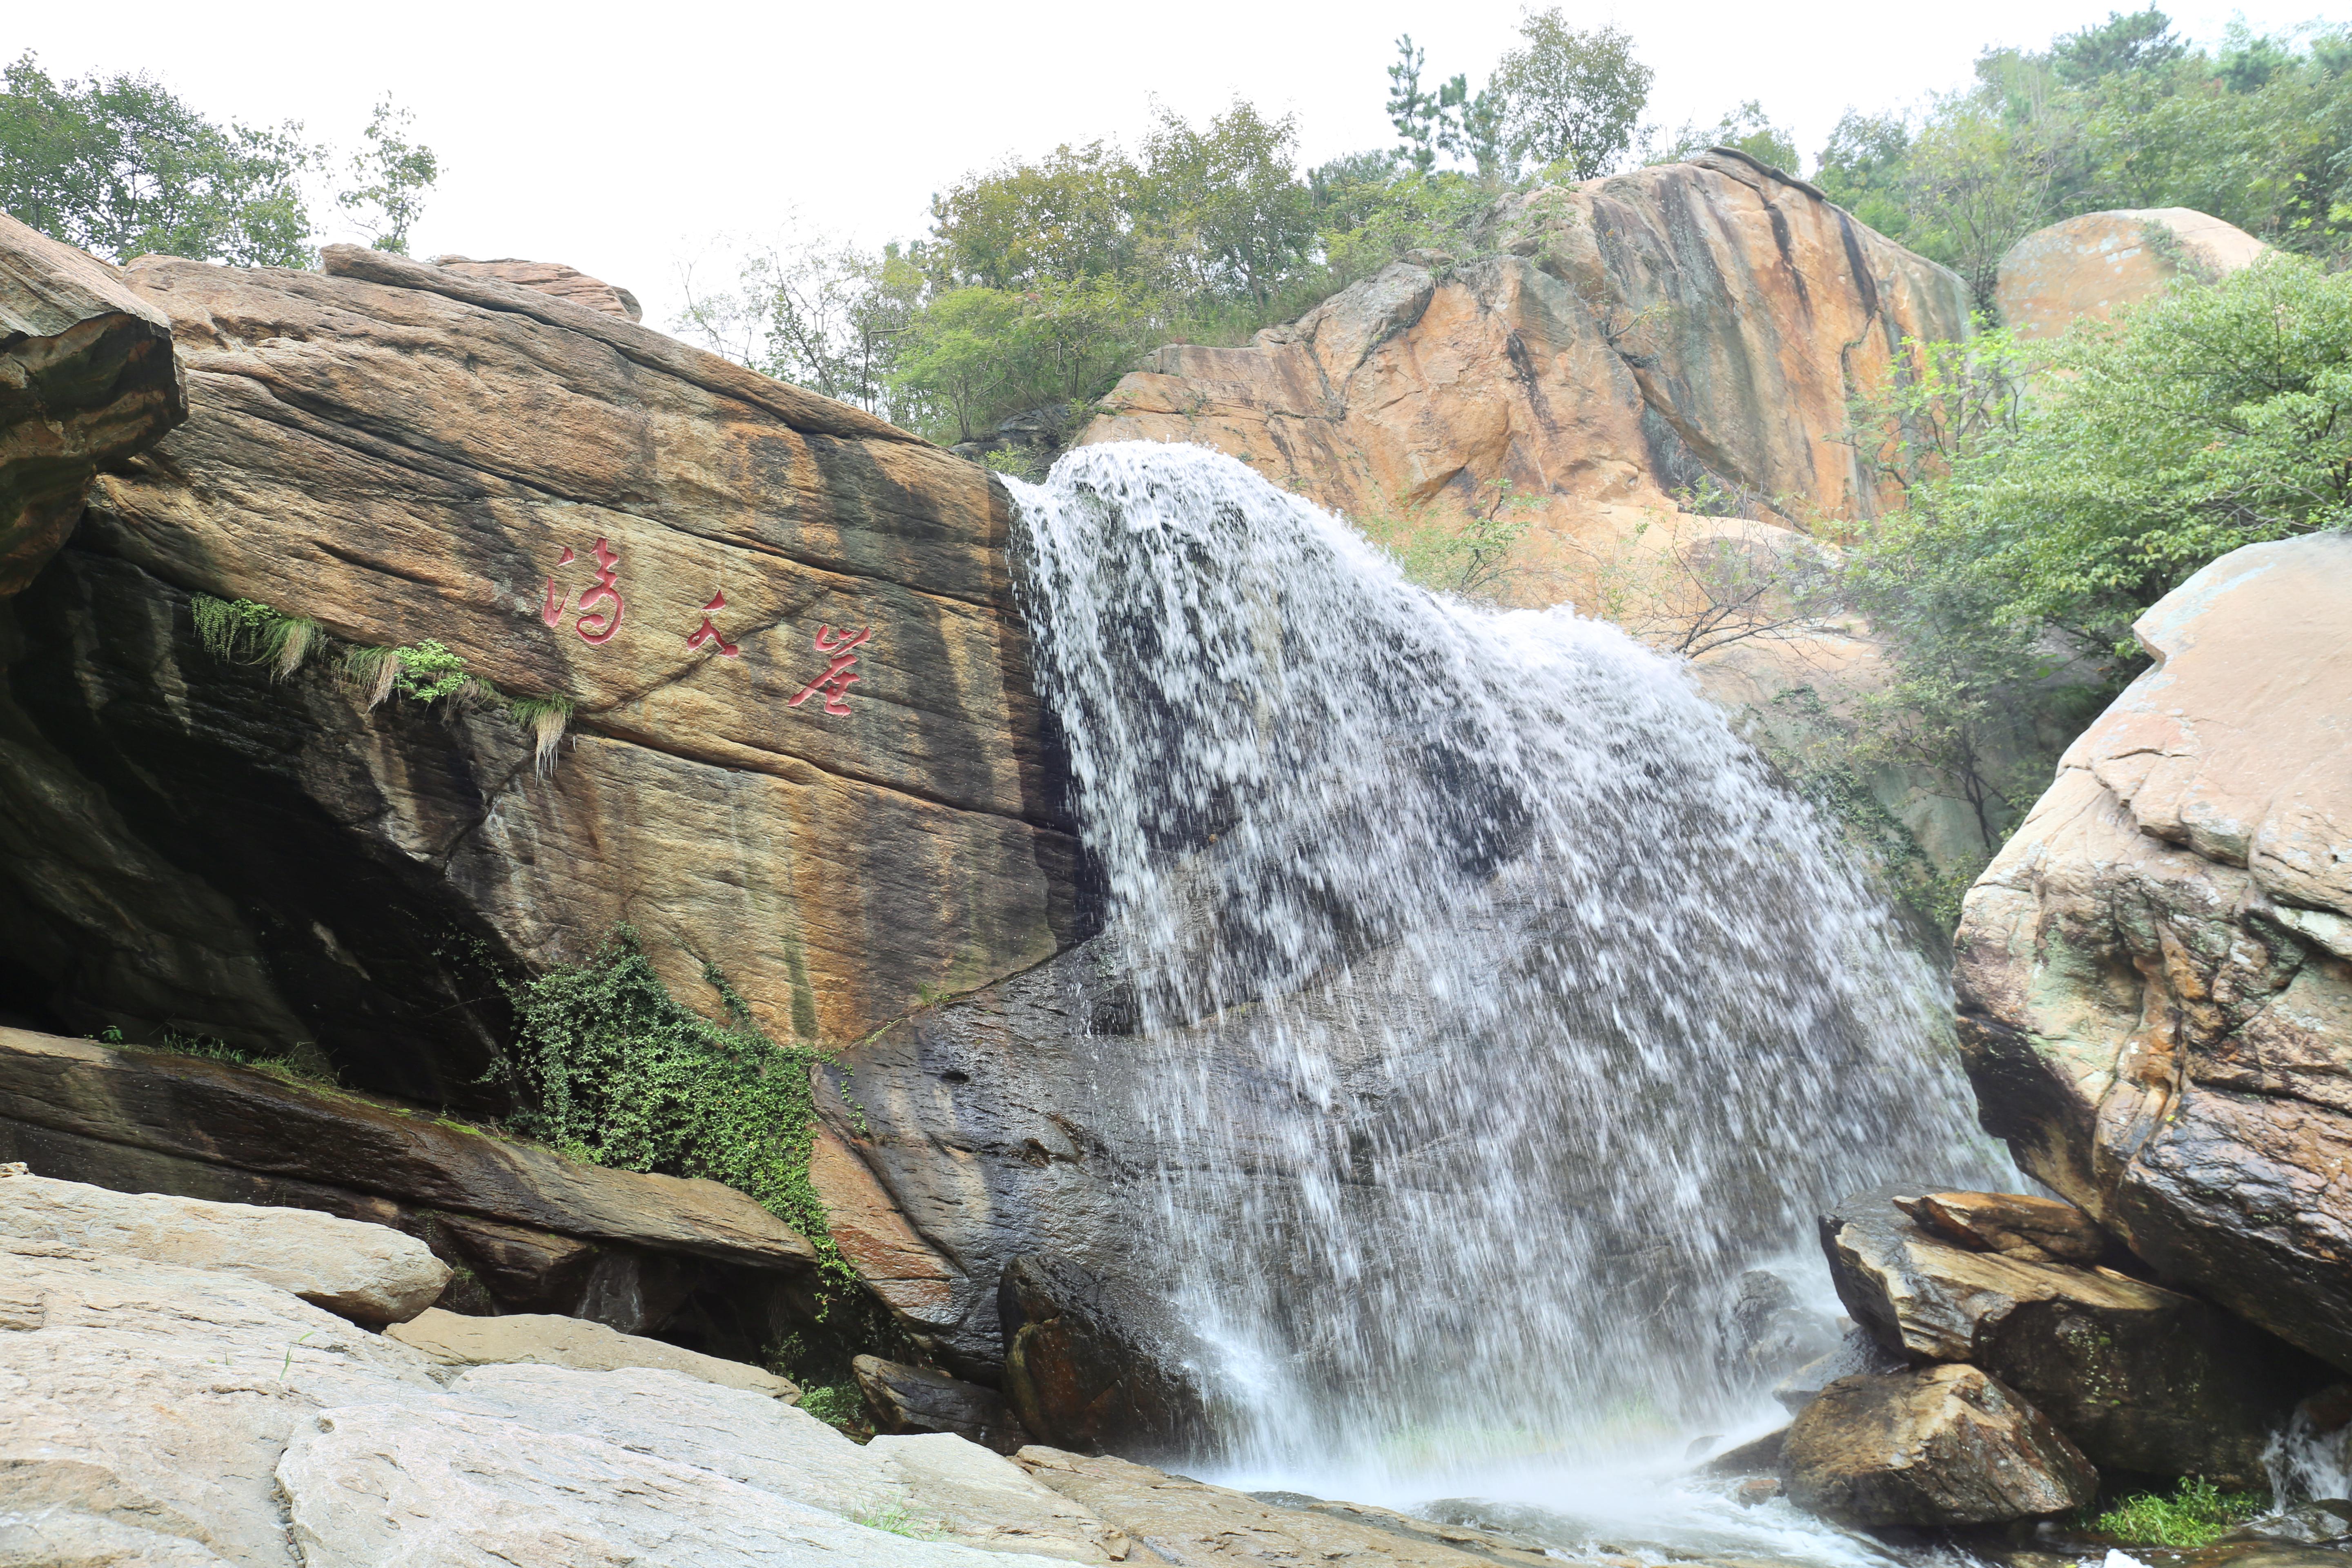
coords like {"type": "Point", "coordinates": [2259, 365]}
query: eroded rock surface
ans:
{"type": "Point", "coordinates": [455, 1339]}
{"type": "Point", "coordinates": [1940, 1446]}
{"type": "Point", "coordinates": [363, 1272]}
{"type": "Point", "coordinates": [2015, 1225]}
{"type": "Point", "coordinates": [549, 278]}
{"type": "Point", "coordinates": [905, 1399]}
{"type": "Point", "coordinates": [1684, 324]}
{"type": "Point", "coordinates": [87, 377]}
{"type": "Point", "coordinates": [2155, 977]}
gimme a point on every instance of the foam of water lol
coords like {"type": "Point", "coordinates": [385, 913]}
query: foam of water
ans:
{"type": "Point", "coordinates": [1499, 1008]}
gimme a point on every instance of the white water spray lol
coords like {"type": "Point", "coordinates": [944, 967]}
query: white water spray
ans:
{"type": "Point", "coordinates": [1498, 1008]}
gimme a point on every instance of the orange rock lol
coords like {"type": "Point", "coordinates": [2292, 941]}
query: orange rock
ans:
{"type": "Point", "coordinates": [550, 277]}
{"type": "Point", "coordinates": [2095, 264]}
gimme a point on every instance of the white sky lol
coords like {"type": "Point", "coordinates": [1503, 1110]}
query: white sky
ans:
{"type": "Point", "coordinates": [623, 139]}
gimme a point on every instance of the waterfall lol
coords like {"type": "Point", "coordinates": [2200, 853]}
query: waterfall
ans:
{"type": "Point", "coordinates": [1497, 1008]}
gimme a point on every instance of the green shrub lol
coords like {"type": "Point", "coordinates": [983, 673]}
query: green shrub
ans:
{"type": "Point", "coordinates": [243, 631]}
{"type": "Point", "coordinates": [839, 1406]}
{"type": "Point", "coordinates": [611, 1069]}
{"type": "Point", "coordinates": [2196, 1515]}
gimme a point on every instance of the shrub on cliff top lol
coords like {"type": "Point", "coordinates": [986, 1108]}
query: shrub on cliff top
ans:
{"type": "Point", "coordinates": [611, 1069]}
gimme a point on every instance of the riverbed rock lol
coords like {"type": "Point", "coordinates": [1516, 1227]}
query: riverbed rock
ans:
{"type": "Point", "coordinates": [552, 278]}
{"type": "Point", "coordinates": [983, 1499]}
{"type": "Point", "coordinates": [406, 454]}
{"type": "Point", "coordinates": [87, 378]}
{"type": "Point", "coordinates": [2015, 1225]}
{"type": "Point", "coordinates": [1704, 323]}
{"type": "Point", "coordinates": [454, 1339]}
{"type": "Point", "coordinates": [1857, 1351]}
{"type": "Point", "coordinates": [2155, 977]}
{"type": "Point", "coordinates": [2093, 265]}
{"type": "Point", "coordinates": [2138, 1377]}
{"type": "Point", "coordinates": [1185, 1520]}
{"type": "Point", "coordinates": [367, 1273]}
{"type": "Point", "coordinates": [906, 1399]}
{"type": "Point", "coordinates": [1767, 1333]}
{"type": "Point", "coordinates": [1939, 1445]}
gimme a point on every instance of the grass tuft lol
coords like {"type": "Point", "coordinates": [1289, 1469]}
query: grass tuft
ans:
{"type": "Point", "coordinates": [543, 718]}
{"type": "Point", "coordinates": [2196, 1515]}
{"type": "Point", "coordinates": [244, 631]}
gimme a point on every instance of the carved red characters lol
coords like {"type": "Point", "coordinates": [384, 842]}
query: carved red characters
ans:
{"type": "Point", "coordinates": [552, 611]}
{"type": "Point", "coordinates": [607, 621]}
{"type": "Point", "coordinates": [709, 632]}
{"type": "Point", "coordinates": [838, 675]}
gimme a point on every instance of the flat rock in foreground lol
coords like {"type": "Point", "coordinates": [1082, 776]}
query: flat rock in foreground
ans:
{"type": "Point", "coordinates": [1939, 1445]}
{"type": "Point", "coordinates": [454, 1339]}
{"type": "Point", "coordinates": [363, 1272]}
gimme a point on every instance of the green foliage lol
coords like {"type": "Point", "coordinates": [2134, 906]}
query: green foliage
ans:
{"type": "Point", "coordinates": [610, 1069]}
{"type": "Point", "coordinates": [303, 1063]}
{"type": "Point", "coordinates": [1470, 554]}
{"type": "Point", "coordinates": [1575, 97]}
{"type": "Point", "coordinates": [1747, 128]}
{"type": "Point", "coordinates": [897, 1519]}
{"type": "Point", "coordinates": [2196, 1515]}
{"type": "Point", "coordinates": [121, 167]}
{"type": "Point", "coordinates": [429, 672]}
{"type": "Point", "coordinates": [243, 631]}
{"type": "Point", "coordinates": [2123, 114]}
{"type": "Point", "coordinates": [2216, 417]}
{"type": "Point", "coordinates": [839, 1406]}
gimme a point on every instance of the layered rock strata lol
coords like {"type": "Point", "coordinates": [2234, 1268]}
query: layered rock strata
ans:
{"type": "Point", "coordinates": [87, 378]}
{"type": "Point", "coordinates": [805, 748]}
{"type": "Point", "coordinates": [2155, 977]}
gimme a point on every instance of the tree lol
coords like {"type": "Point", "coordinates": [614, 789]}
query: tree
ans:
{"type": "Point", "coordinates": [122, 168]}
{"type": "Point", "coordinates": [1574, 98]}
{"type": "Point", "coordinates": [395, 173]}
{"type": "Point", "coordinates": [1861, 168]}
{"type": "Point", "coordinates": [2139, 42]}
{"type": "Point", "coordinates": [1069, 216]}
{"type": "Point", "coordinates": [1222, 210]}
{"type": "Point", "coordinates": [813, 311]}
{"type": "Point", "coordinates": [1747, 128]}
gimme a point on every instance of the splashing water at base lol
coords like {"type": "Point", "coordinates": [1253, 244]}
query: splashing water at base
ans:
{"type": "Point", "coordinates": [1498, 1007]}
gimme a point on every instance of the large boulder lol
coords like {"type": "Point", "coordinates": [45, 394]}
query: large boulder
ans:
{"type": "Point", "coordinates": [1939, 1446]}
{"type": "Point", "coordinates": [457, 1339]}
{"type": "Point", "coordinates": [2138, 1377]}
{"type": "Point", "coordinates": [909, 1399]}
{"type": "Point", "coordinates": [87, 378]}
{"type": "Point", "coordinates": [2094, 265]}
{"type": "Point", "coordinates": [1699, 324]}
{"type": "Point", "coordinates": [404, 454]}
{"type": "Point", "coordinates": [368, 1273]}
{"type": "Point", "coordinates": [2155, 977]}
{"type": "Point", "coordinates": [1076, 1375]}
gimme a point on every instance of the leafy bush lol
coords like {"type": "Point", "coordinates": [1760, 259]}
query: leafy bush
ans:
{"type": "Point", "coordinates": [2196, 1515]}
{"type": "Point", "coordinates": [610, 1069]}
{"type": "Point", "coordinates": [242, 631]}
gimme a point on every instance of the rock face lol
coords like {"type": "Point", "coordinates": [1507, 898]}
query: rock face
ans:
{"type": "Point", "coordinates": [363, 1272]}
{"type": "Point", "coordinates": [2030, 1229]}
{"type": "Point", "coordinates": [1941, 1445]}
{"type": "Point", "coordinates": [1078, 1377]}
{"type": "Point", "coordinates": [2137, 1377]}
{"type": "Point", "coordinates": [1684, 324]}
{"type": "Point", "coordinates": [907, 1400]}
{"type": "Point", "coordinates": [533, 1232]}
{"type": "Point", "coordinates": [550, 277]}
{"type": "Point", "coordinates": [2092, 265]}
{"type": "Point", "coordinates": [2155, 977]}
{"type": "Point", "coordinates": [400, 453]}
{"type": "Point", "coordinates": [87, 377]}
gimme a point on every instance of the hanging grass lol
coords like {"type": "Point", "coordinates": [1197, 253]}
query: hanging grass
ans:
{"type": "Point", "coordinates": [611, 1069]}
{"type": "Point", "coordinates": [543, 718]}
{"type": "Point", "coordinates": [244, 631]}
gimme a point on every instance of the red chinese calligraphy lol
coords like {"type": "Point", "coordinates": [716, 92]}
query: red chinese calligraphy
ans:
{"type": "Point", "coordinates": [552, 611]}
{"type": "Point", "coordinates": [607, 622]}
{"type": "Point", "coordinates": [709, 632]}
{"type": "Point", "coordinates": [838, 677]}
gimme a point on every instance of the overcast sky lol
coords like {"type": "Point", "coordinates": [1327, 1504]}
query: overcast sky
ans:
{"type": "Point", "coordinates": [625, 139]}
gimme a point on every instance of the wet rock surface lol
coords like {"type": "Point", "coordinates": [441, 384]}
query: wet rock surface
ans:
{"type": "Point", "coordinates": [2155, 977]}
{"type": "Point", "coordinates": [1939, 1446]}
{"type": "Point", "coordinates": [2140, 1378]}
{"type": "Point", "coordinates": [1075, 1375]}
{"type": "Point", "coordinates": [87, 378]}
{"type": "Point", "coordinates": [2015, 1225]}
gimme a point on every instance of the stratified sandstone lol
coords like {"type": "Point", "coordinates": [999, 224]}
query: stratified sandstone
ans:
{"type": "Point", "coordinates": [2155, 977]}
{"type": "Point", "coordinates": [87, 377]}
{"type": "Point", "coordinates": [565, 500]}
{"type": "Point", "coordinates": [549, 278]}
{"type": "Point", "coordinates": [2094, 265]}
{"type": "Point", "coordinates": [1684, 325]}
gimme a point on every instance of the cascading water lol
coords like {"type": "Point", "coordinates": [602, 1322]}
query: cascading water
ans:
{"type": "Point", "coordinates": [1498, 1007]}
